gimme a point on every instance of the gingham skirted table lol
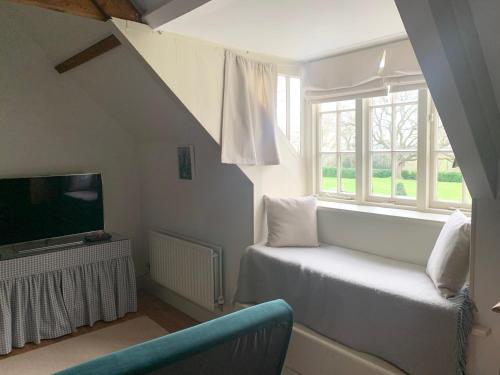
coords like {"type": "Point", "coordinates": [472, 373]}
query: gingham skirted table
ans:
{"type": "Point", "coordinates": [49, 295]}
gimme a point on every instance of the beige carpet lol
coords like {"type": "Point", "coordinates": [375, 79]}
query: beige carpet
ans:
{"type": "Point", "coordinates": [70, 352]}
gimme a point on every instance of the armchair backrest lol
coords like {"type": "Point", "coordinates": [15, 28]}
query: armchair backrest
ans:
{"type": "Point", "coordinates": [252, 341]}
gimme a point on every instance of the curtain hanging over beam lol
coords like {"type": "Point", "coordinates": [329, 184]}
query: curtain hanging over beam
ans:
{"type": "Point", "coordinates": [249, 112]}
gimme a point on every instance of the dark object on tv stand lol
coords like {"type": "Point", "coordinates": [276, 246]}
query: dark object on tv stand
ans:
{"type": "Point", "coordinates": [38, 246]}
{"type": "Point", "coordinates": [98, 237]}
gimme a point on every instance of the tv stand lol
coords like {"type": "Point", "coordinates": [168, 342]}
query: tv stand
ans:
{"type": "Point", "coordinates": [50, 291]}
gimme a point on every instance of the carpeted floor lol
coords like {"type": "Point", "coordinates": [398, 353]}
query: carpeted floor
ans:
{"type": "Point", "coordinates": [67, 353]}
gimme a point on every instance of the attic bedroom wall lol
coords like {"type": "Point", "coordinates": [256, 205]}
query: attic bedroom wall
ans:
{"type": "Point", "coordinates": [49, 126]}
{"type": "Point", "coordinates": [193, 70]}
{"type": "Point", "coordinates": [146, 121]}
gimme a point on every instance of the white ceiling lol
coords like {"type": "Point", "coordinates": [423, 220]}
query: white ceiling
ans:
{"type": "Point", "coordinates": [294, 29]}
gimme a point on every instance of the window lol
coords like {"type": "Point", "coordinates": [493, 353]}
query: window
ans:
{"type": "Point", "coordinates": [337, 148]}
{"type": "Point", "coordinates": [289, 113]}
{"type": "Point", "coordinates": [393, 124]}
{"type": "Point", "coordinates": [387, 150]}
{"type": "Point", "coordinates": [447, 184]}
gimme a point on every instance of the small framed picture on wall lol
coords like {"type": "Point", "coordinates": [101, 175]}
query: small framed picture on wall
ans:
{"type": "Point", "coordinates": [185, 158]}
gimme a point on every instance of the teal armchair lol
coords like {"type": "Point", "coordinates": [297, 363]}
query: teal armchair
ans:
{"type": "Point", "coordinates": [252, 341]}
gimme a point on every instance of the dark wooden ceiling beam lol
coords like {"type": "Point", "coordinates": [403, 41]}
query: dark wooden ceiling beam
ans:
{"type": "Point", "coordinates": [88, 54]}
{"type": "Point", "coordinates": [96, 9]}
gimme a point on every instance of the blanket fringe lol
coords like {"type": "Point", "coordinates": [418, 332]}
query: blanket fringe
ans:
{"type": "Point", "coordinates": [465, 320]}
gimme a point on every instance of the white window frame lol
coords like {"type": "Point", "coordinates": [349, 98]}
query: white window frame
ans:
{"type": "Point", "coordinates": [393, 199]}
{"type": "Point", "coordinates": [434, 152]}
{"type": "Point", "coordinates": [426, 160]}
{"type": "Point", "coordinates": [287, 134]}
{"type": "Point", "coordinates": [338, 153]}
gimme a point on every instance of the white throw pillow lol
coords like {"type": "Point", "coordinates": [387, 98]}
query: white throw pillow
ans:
{"type": "Point", "coordinates": [448, 264]}
{"type": "Point", "coordinates": [291, 222]}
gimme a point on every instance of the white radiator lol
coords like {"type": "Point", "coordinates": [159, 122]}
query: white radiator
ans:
{"type": "Point", "coordinates": [188, 267]}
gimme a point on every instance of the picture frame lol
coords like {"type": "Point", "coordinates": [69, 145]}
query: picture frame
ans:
{"type": "Point", "coordinates": [185, 159]}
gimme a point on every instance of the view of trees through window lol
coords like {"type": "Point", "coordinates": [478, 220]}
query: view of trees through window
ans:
{"type": "Point", "coordinates": [449, 185]}
{"type": "Point", "coordinates": [394, 141]}
{"type": "Point", "coordinates": [390, 157]}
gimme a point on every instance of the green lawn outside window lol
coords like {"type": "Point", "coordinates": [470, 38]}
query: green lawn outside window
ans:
{"type": "Point", "coordinates": [447, 191]}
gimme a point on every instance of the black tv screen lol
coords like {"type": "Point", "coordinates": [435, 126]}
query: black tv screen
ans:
{"type": "Point", "coordinates": [46, 207]}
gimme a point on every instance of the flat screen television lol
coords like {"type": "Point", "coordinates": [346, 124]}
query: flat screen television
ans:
{"type": "Point", "coordinates": [46, 207]}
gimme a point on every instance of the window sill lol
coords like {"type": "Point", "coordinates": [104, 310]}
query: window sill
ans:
{"type": "Point", "coordinates": [385, 211]}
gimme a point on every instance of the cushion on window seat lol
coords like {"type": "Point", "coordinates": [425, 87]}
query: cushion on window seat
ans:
{"type": "Point", "coordinates": [448, 264]}
{"type": "Point", "coordinates": [291, 221]}
{"type": "Point", "coordinates": [376, 305]}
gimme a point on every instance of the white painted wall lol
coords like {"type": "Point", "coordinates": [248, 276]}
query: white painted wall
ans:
{"type": "Point", "coordinates": [194, 71]}
{"type": "Point", "coordinates": [215, 207]}
{"type": "Point", "coordinates": [398, 234]}
{"type": "Point", "coordinates": [138, 122]}
{"type": "Point", "coordinates": [285, 180]}
{"type": "Point", "coordinates": [191, 69]}
{"type": "Point", "coordinates": [48, 125]}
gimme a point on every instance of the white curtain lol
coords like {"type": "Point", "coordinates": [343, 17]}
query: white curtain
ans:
{"type": "Point", "coordinates": [249, 112]}
{"type": "Point", "coordinates": [369, 72]}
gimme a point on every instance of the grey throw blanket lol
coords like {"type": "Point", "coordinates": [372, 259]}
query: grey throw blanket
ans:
{"type": "Point", "coordinates": [375, 305]}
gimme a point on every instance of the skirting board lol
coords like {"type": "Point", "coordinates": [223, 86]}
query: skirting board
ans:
{"type": "Point", "coordinates": [187, 307]}
{"type": "Point", "coordinates": [140, 282]}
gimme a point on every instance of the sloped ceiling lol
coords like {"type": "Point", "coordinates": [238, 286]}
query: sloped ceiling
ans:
{"type": "Point", "coordinates": [118, 81]}
{"type": "Point", "coordinates": [486, 14]}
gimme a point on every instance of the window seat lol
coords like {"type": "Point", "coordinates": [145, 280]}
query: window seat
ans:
{"type": "Point", "coordinates": [372, 304]}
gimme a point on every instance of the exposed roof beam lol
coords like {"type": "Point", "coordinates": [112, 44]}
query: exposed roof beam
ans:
{"type": "Point", "coordinates": [170, 11]}
{"type": "Point", "coordinates": [88, 54]}
{"type": "Point", "coordinates": [447, 48]}
{"type": "Point", "coordinates": [96, 9]}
